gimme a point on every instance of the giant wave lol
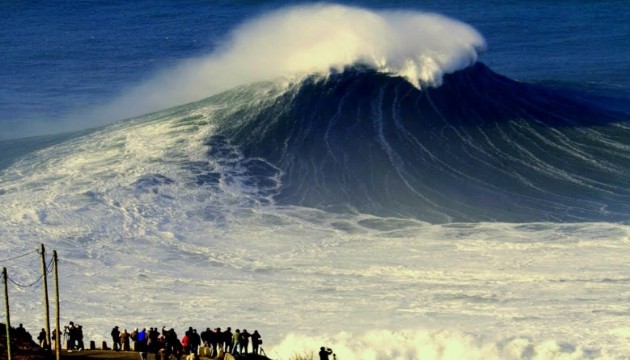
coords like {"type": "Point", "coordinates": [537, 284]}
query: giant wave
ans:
{"type": "Point", "coordinates": [480, 147]}
{"type": "Point", "coordinates": [387, 115]}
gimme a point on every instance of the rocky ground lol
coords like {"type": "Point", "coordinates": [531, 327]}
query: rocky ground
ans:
{"type": "Point", "coordinates": [22, 346]}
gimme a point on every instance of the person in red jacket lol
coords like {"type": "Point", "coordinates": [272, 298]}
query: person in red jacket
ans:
{"type": "Point", "coordinates": [186, 343]}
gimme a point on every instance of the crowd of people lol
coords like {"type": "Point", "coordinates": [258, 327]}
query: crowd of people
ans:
{"type": "Point", "coordinates": [165, 342]}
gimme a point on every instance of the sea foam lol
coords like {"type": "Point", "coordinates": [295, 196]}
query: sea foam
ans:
{"type": "Point", "coordinates": [312, 39]}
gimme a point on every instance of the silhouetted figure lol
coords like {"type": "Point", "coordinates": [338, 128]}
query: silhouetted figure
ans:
{"type": "Point", "coordinates": [53, 337]}
{"type": "Point", "coordinates": [256, 341]}
{"type": "Point", "coordinates": [160, 346]}
{"type": "Point", "coordinates": [324, 353]}
{"type": "Point", "coordinates": [244, 341]}
{"type": "Point", "coordinates": [71, 331]}
{"type": "Point", "coordinates": [134, 338]}
{"type": "Point", "coordinates": [153, 342]}
{"type": "Point", "coordinates": [78, 333]}
{"type": "Point", "coordinates": [195, 341]}
{"type": "Point", "coordinates": [216, 340]}
{"type": "Point", "coordinates": [125, 338]}
{"type": "Point", "coordinates": [172, 342]}
{"type": "Point", "coordinates": [116, 338]}
{"type": "Point", "coordinates": [205, 337]}
{"type": "Point", "coordinates": [42, 339]}
{"type": "Point", "coordinates": [20, 332]}
{"type": "Point", "coordinates": [228, 340]}
{"type": "Point", "coordinates": [178, 349]}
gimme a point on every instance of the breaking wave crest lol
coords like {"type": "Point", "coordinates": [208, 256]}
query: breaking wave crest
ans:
{"type": "Point", "coordinates": [308, 39]}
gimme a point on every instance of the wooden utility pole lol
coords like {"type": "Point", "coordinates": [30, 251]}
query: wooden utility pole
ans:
{"type": "Point", "coordinates": [46, 307]}
{"type": "Point", "coordinates": [6, 307]}
{"type": "Point", "coordinates": [57, 333]}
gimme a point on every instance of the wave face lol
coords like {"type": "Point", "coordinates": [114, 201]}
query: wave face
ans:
{"type": "Point", "coordinates": [480, 147]}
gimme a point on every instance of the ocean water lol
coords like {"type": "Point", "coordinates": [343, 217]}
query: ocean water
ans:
{"type": "Point", "coordinates": [394, 180]}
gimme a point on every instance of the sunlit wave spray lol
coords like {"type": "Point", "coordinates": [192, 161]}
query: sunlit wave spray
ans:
{"type": "Point", "coordinates": [297, 41]}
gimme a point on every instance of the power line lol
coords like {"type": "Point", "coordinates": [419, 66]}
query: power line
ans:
{"type": "Point", "coordinates": [25, 286]}
{"type": "Point", "coordinates": [48, 269]}
{"type": "Point", "coordinates": [20, 256]}
{"type": "Point", "coordinates": [51, 267]}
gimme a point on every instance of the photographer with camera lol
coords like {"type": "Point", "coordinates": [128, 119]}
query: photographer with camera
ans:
{"type": "Point", "coordinates": [324, 352]}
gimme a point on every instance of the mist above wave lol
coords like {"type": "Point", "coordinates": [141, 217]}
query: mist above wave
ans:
{"type": "Point", "coordinates": [312, 39]}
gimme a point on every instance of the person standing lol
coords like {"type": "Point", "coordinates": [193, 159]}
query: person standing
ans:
{"type": "Point", "coordinates": [228, 339]}
{"type": "Point", "coordinates": [124, 340]}
{"type": "Point", "coordinates": [72, 336]}
{"type": "Point", "coordinates": [244, 341]}
{"type": "Point", "coordinates": [42, 339]}
{"type": "Point", "coordinates": [143, 339]}
{"type": "Point", "coordinates": [79, 337]}
{"type": "Point", "coordinates": [116, 338]}
{"type": "Point", "coordinates": [236, 341]}
{"type": "Point", "coordinates": [195, 342]}
{"type": "Point", "coordinates": [256, 341]}
{"type": "Point", "coordinates": [53, 338]}
{"type": "Point", "coordinates": [20, 332]}
{"type": "Point", "coordinates": [134, 339]}
{"type": "Point", "coordinates": [186, 342]}
{"type": "Point", "coordinates": [218, 338]}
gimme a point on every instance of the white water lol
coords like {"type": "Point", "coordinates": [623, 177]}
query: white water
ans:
{"type": "Point", "coordinates": [310, 39]}
{"type": "Point", "coordinates": [179, 254]}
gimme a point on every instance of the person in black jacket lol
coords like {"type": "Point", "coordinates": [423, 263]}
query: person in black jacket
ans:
{"type": "Point", "coordinates": [227, 340]}
{"type": "Point", "coordinates": [256, 341]}
{"type": "Point", "coordinates": [42, 339]}
{"type": "Point", "coordinates": [116, 338]}
{"type": "Point", "coordinates": [324, 352]}
{"type": "Point", "coordinates": [243, 341]}
{"type": "Point", "coordinates": [195, 341]}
